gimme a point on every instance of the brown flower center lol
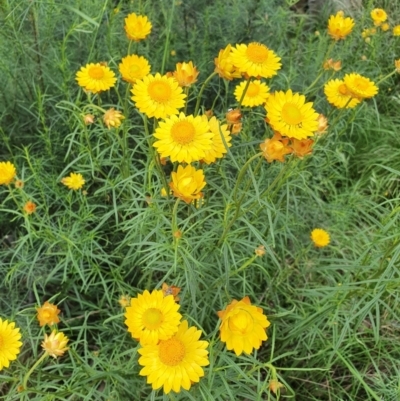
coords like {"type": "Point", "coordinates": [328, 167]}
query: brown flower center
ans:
{"type": "Point", "coordinates": [159, 91]}
{"type": "Point", "coordinates": [96, 72]}
{"type": "Point", "coordinates": [291, 114]}
{"type": "Point", "coordinates": [152, 318]}
{"type": "Point", "coordinates": [183, 132]}
{"type": "Point", "coordinates": [257, 53]}
{"type": "Point", "coordinates": [171, 352]}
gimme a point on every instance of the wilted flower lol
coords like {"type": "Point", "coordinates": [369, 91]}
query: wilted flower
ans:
{"type": "Point", "coordinates": [124, 300]}
{"type": "Point", "coordinates": [55, 344]}
{"type": "Point", "coordinates": [112, 118]}
{"type": "Point", "coordinates": [260, 250]}
{"type": "Point", "coordinates": [275, 148]}
{"type": "Point", "coordinates": [233, 116]}
{"type": "Point", "coordinates": [88, 119]}
{"type": "Point", "coordinates": [322, 124]}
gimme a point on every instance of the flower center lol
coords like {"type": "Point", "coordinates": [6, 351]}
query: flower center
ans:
{"type": "Point", "coordinates": [96, 72]}
{"type": "Point", "coordinates": [46, 313]}
{"type": "Point", "coordinates": [152, 318]}
{"type": "Point", "coordinates": [159, 91]}
{"type": "Point", "coordinates": [343, 89]}
{"type": "Point", "coordinates": [257, 53]}
{"type": "Point", "coordinates": [291, 114]}
{"type": "Point", "coordinates": [253, 90]}
{"type": "Point", "coordinates": [171, 352]}
{"type": "Point", "coordinates": [134, 69]}
{"type": "Point", "coordinates": [361, 84]}
{"type": "Point", "coordinates": [242, 322]}
{"type": "Point", "coordinates": [183, 132]}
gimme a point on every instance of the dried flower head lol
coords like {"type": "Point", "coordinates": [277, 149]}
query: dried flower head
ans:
{"type": "Point", "coordinates": [112, 118]}
{"type": "Point", "coordinates": [124, 300]}
{"type": "Point", "coordinates": [29, 207]}
{"type": "Point", "coordinates": [88, 119]}
{"type": "Point", "coordinates": [171, 290]}
{"type": "Point", "coordinates": [55, 344]}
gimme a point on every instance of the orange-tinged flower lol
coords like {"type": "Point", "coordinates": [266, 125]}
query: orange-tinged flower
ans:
{"type": "Point", "coordinates": [137, 27]}
{"type": "Point", "coordinates": [187, 183]}
{"type": "Point", "coordinates": [7, 173]}
{"type": "Point", "coordinates": [243, 326]}
{"type": "Point", "coordinates": [29, 207]}
{"type": "Point", "coordinates": [275, 385]}
{"type": "Point", "coordinates": [112, 118]}
{"type": "Point", "coordinates": [233, 116]}
{"type": "Point", "coordinates": [171, 290]}
{"type": "Point", "coordinates": [275, 148]}
{"type": "Point", "coordinates": [55, 344]}
{"type": "Point", "coordinates": [224, 66]}
{"type": "Point", "coordinates": [332, 65]}
{"type": "Point", "coordinates": [186, 73]}
{"type": "Point", "coordinates": [340, 27]}
{"type": "Point", "coordinates": [48, 314]}
{"type": "Point", "coordinates": [236, 128]}
{"type": "Point", "coordinates": [302, 147]}
{"type": "Point", "coordinates": [75, 181]}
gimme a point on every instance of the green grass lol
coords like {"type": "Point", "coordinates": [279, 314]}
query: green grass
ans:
{"type": "Point", "coordinates": [334, 331]}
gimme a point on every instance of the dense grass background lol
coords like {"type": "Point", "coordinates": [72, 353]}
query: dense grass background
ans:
{"type": "Point", "coordinates": [335, 332]}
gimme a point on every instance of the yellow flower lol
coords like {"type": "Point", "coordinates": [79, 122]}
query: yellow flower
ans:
{"type": "Point", "coordinates": [322, 124]}
{"type": "Point", "coordinates": [396, 30]}
{"type": "Point", "coordinates": [124, 300]}
{"type": "Point", "coordinates": [256, 60]}
{"type": "Point", "coordinates": [19, 184]}
{"type": "Point", "coordinates": [224, 66]}
{"type": "Point", "coordinates": [48, 314]}
{"type": "Point", "coordinates": [176, 362]}
{"type": "Point", "coordinates": [243, 326]}
{"type": "Point", "coordinates": [256, 93]}
{"type": "Point", "coordinates": [367, 32]}
{"type": "Point", "coordinates": [187, 182]}
{"type": "Point", "coordinates": [236, 128]}
{"type": "Point", "coordinates": [289, 114]}
{"type": "Point", "coordinates": [378, 16]}
{"type": "Point", "coordinates": [274, 386]}
{"type": "Point", "coordinates": [218, 146]}
{"type": "Point", "coordinates": [137, 27]}
{"type": "Point", "coordinates": [74, 181]}
{"type": "Point", "coordinates": [55, 344]}
{"type": "Point", "coordinates": [151, 317]}
{"type": "Point", "coordinates": [134, 67]}
{"type": "Point", "coordinates": [171, 290]}
{"type": "Point", "coordinates": [183, 138]}
{"type": "Point", "coordinates": [260, 250]}
{"type": "Point", "coordinates": [9, 343]}
{"type": "Point", "coordinates": [7, 173]}
{"type": "Point", "coordinates": [112, 118]}
{"type": "Point", "coordinates": [320, 237]}
{"type": "Point", "coordinates": [359, 86]}
{"type": "Point", "coordinates": [397, 65]}
{"type": "Point", "coordinates": [385, 27]}
{"type": "Point", "coordinates": [88, 119]}
{"type": "Point", "coordinates": [158, 96]}
{"type": "Point", "coordinates": [275, 148]}
{"type": "Point", "coordinates": [339, 95]}
{"type": "Point", "coordinates": [339, 27]}
{"type": "Point", "coordinates": [302, 147]}
{"type": "Point", "coordinates": [95, 77]}
{"type": "Point", "coordinates": [186, 73]}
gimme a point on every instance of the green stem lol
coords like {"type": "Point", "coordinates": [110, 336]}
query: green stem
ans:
{"type": "Point", "coordinates": [37, 363]}
{"type": "Point", "coordinates": [205, 83]}
{"type": "Point", "coordinates": [244, 93]}
{"type": "Point", "coordinates": [386, 77]}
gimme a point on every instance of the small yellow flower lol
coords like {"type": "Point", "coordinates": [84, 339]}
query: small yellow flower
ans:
{"type": "Point", "coordinates": [112, 118]}
{"type": "Point", "coordinates": [378, 15]}
{"type": "Point", "coordinates": [75, 181]}
{"type": "Point", "coordinates": [397, 65]}
{"type": "Point", "coordinates": [332, 65]}
{"type": "Point", "coordinates": [19, 184]}
{"type": "Point", "coordinates": [95, 77]}
{"type": "Point", "coordinates": [340, 27]}
{"type": "Point", "coordinates": [137, 27]}
{"type": "Point", "coordinates": [9, 343]}
{"type": "Point", "coordinates": [48, 314]}
{"type": "Point", "coordinates": [187, 182]}
{"type": "Point", "coordinates": [88, 119]}
{"type": "Point", "coordinates": [7, 173]}
{"type": "Point", "coordinates": [55, 344]}
{"type": "Point", "coordinates": [367, 32]}
{"type": "Point", "coordinates": [385, 27]}
{"type": "Point", "coordinates": [134, 67]}
{"type": "Point", "coordinates": [256, 94]}
{"type": "Point", "coordinates": [396, 30]}
{"type": "Point", "coordinates": [322, 124]}
{"type": "Point", "coordinates": [186, 73]}
{"type": "Point", "coordinates": [224, 66]}
{"type": "Point", "coordinates": [338, 94]}
{"type": "Point", "coordinates": [275, 386]}
{"type": "Point", "coordinates": [260, 250]}
{"type": "Point", "coordinates": [124, 300]}
{"type": "Point", "coordinates": [29, 207]}
{"type": "Point", "coordinates": [320, 237]}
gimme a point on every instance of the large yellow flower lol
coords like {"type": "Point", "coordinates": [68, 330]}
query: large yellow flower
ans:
{"type": "Point", "coordinates": [256, 94]}
{"type": "Point", "coordinates": [243, 326]}
{"type": "Point", "coordinates": [151, 317]}
{"type": "Point", "coordinates": [158, 96]}
{"type": "Point", "coordinates": [9, 343]}
{"type": "Point", "coordinates": [339, 27]}
{"type": "Point", "coordinates": [224, 66]}
{"type": "Point", "coordinates": [339, 94]}
{"type": "Point", "coordinates": [320, 237]}
{"type": "Point", "coordinates": [134, 67]}
{"type": "Point", "coordinates": [289, 114]}
{"type": "Point", "coordinates": [75, 181]}
{"type": "Point", "coordinates": [378, 15]}
{"type": "Point", "coordinates": [187, 182]}
{"type": "Point", "coordinates": [176, 362]}
{"type": "Point", "coordinates": [48, 314]}
{"type": "Point", "coordinates": [137, 27]}
{"type": "Point", "coordinates": [256, 60]}
{"type": "Point", "coordinates": [183, 138]}
{"type": "Point", "coordinates": [7, 173]}
{"type": "Point", "coordinates": [360, 87]}
{"type": "Point", "coordinates": [55, 344]}
{"type": "Point", "coordinates": [95, 77]}
{"type": "Point", "coordinates": [186, 73]}
{"type": "Point", "coordinates": [218, 147]}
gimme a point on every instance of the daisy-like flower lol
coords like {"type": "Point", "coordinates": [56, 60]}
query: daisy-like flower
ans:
{"type": "Point", "coordinates": [302, 147]}
{"type": "Point", "coordinates": [9, 343]}
{"type": "Point", "coordinates": [176, 362]}
{"type": "Point", "coordinates": [339, 27]}
{"type": "Point", "coordinates": [75, 181]}
{"type": "Point", "coordinates": [320, 237]}
{"type": "Point", "coordinates": [378, 15]}
{"type": "Point", "coordinates": [134, 67]}
{"type": "Point", "coordinates": [183, 138]}
{"type": "Point", "coordinates": [218, 148]}
{"type": "Point", "coordinates": [243, 326]}
{"type": "Point", "coordinates": [112, 118]}
{"type": "Point", "coordinates": [7, 173]}
{"type": "Point", "coordinates": [187, 183]}
{"type": "Point", "coordinates": [385, 27]}
{"type": "Point", "coordinates": [396, 30]}
{"type": "Point", "coordinates": [29, 207]}
{"type": "Point", "coordinates": [339, 95]}
{"type": "Point", "coordinates": [171, 290]}
{"type": "Point", "coordinates": [256, 94]}
{"type": "Point", "coordinates": [137, 27]}
{"type": "Point", "coordinates": [95, 77]}
{"type": "Point", "coordinates": [256, 60]}
{"type": "Point", "coordinates": [186, 73]}
{"type": "Point", "coordinates": [289, 114]}
{"type": "Point", "coordinates": [55, 344]}
{"type": "Point", "coordinates": [151, 317]}
{"type": "Point", "coordinates": [224, 66]}
{"type": "Point", "coordinates": [48, 314]}
{"type": "Point", "coordinates": [158, 96]}
{"type": "Point", "coordinates": [275, 148]}
{"type": "Point", "coordinates": [359, 86]}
